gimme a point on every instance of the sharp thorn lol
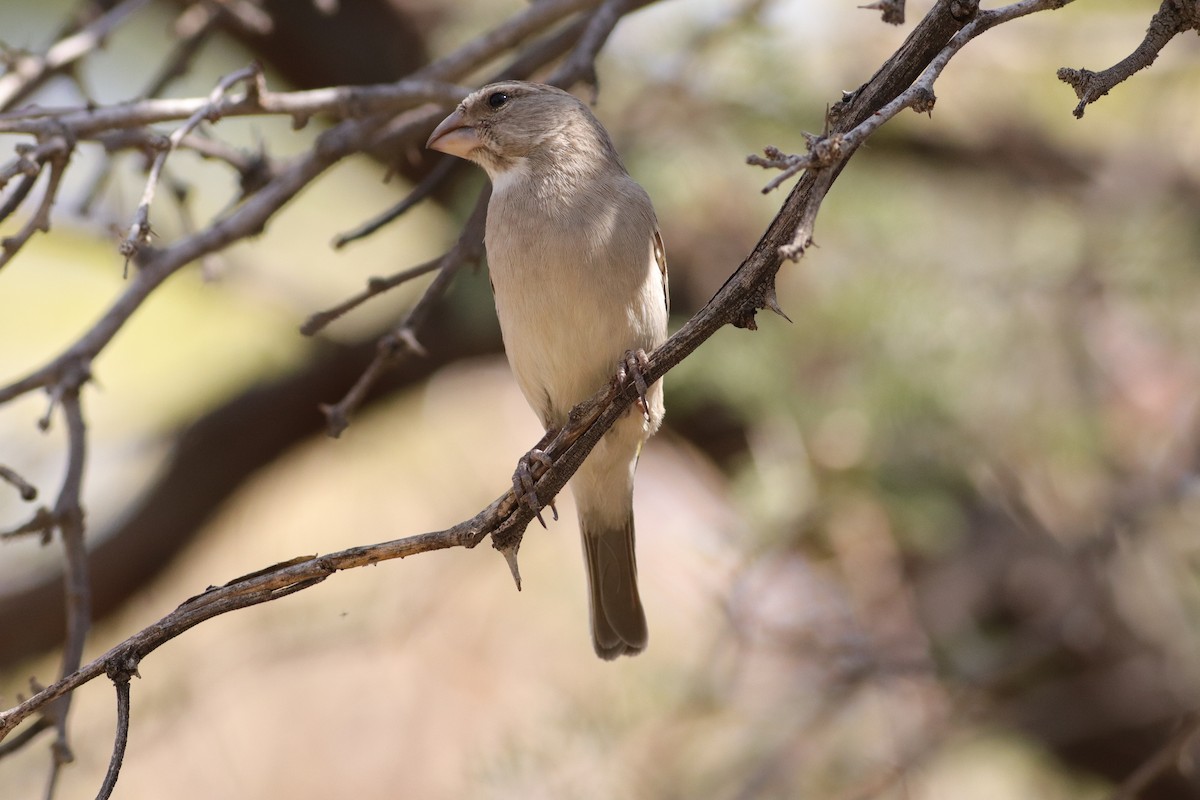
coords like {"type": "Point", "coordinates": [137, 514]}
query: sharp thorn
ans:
{"type": "Point", "coordinates": [771, 302]}
{"type": "Point", "coordinates": [510, 555]}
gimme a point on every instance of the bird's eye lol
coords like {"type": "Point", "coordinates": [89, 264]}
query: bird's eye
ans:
{"type": "Point", "coordinates": [497, 99]}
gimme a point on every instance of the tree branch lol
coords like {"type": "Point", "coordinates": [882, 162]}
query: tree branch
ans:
{"type": "Point", "coordinates": [120, 674]}
{"type": "Point", "coordinates": [27, 72]}
{"type": "Point", "coordinates": [1172, 18]}
{"type": "Point", "coordinates": [55, 153]}
{"type": "Point", "coordinates": [402, 342]}
{"type": "Point", "coordinates": [139, 231]}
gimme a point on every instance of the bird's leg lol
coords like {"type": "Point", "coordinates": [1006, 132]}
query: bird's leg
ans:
{"type": "Point", "coordinates": [524, 481]}
{"type": "Point", "coordinates": [631, 367]}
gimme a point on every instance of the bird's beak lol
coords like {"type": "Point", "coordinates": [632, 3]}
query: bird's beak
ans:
{"type": "Point", "coordinates": [454, 136]}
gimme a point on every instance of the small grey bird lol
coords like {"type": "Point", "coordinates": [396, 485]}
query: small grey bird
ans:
{"type": "Point", "coordinates": [580, 279]}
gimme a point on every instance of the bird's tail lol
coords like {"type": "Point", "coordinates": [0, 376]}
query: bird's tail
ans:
{"type": "Point", "coordinates": [618, 621]}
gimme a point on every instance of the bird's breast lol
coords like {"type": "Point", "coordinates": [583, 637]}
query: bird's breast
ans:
{"type": "Point", "coordinates": [573, 291]}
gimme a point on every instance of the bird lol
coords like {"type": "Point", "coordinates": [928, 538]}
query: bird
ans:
{"type": "Point", "coordinates": [579, 277]}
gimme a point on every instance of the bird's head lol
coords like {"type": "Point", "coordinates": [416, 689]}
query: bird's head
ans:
{"type": "Point", "coordinates": [518, 125]}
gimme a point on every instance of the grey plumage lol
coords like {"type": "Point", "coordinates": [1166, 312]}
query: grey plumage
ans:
{"type": "Point", "coordinates": [580, 279]}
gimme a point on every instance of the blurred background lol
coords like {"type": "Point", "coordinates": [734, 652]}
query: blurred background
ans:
{"type": "Point", "coordinates": [936, 538]}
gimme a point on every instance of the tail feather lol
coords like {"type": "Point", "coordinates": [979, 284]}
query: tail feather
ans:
{"type": "Point", "coordinates": [618, 621]}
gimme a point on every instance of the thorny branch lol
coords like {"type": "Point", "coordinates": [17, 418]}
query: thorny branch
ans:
{"type": "Point", "coordinates": [828, 153]}
{"type": "Point", "coordinates": [402, 341]}
{"type": "Point", "coordinates": [1172, 18]}
{"type": "Point", "coordinates": [139, 231]}
{"type": "Point", "coordinates": [905, 81]}
{"type": "Point", "coordinates": [27, 72]}
{"type": "Point", "coordinates": [55, 152]}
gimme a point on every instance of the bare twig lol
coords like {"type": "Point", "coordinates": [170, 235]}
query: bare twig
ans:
{"type": "Point", "coordinates": [482, 50]}
{"type": "Point", "coordinates": [341, 102]}
{"type": "Point", "coordinates": [26, 735]}
{"type": "Point", "coordinates": [1172, 18]}
{"type": "Point", "coordinates": [68, 514]}
{"type": "Point", "coordinates": [30, 159]}
{"type": "Point", "coordinates": [829, 152]}
{"type": "Point", "coordinates": [120, 674]}
{"type": "Point", "coordinates": [246, 219]}
{"type": "Point", "coordinates": [580, 65]}
{"type": "Point", "coordinates": [10, 476]}
{"type": "Point", "coordinates": [192, 28]}
{"type": "Point", "coordinates": [428, 185]}
{"type": "Point", "coordinates": [18, 195]}
{"type": "Point", "coordinates": [402, 342]}
{"type": "Point", "coordinates": [57, 152]}
{"type": "Point", "coordinates": [42, 522]}
{"type": "Point", "coordinates": [487, 46]}
{"type": "Point", "coordinates": [139, 231]}
{"type": "Point", "coordinates": [375, 286]}
{"type": "Point", "coordinates": [26, 73]}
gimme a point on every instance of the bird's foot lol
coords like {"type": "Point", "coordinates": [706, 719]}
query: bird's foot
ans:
{"type": "Point", "coordinates": [524, 483]}
{"type": "Point", "coordinates": [631, 368]}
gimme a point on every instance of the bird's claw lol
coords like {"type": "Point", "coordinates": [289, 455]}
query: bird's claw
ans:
{"type": "Point", "coordinates": [631, 367]}
{"type": "Point", "coordinates": [524, 484]}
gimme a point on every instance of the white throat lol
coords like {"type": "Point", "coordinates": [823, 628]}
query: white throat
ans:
{"type": "Point", "coordinates": [516, 173]}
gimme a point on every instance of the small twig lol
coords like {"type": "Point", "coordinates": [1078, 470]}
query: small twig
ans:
{"type": "Point", "coordinates": [422, 190]}
{"type": "Point", "coordinates": [580, 65]}
{"type": "Point", "coordinates": [27, 490]}
{"type": "Point", "coordinates": [508, 34]}
{"type": "Point", "coordinates": [120, 676]}
{"type": "Point", "coordinates": [18, 195]}
{"type": "Point", "coordinates": [139, 231]}
{"type": "Point", "coordinates": [483, 49]}
{"type": "Point", "coordinates": [193, 26]}
{"type": "Point", "coordinates": [1172, 18]}
{"type": "Point", "coordinates": [375, 286]}
{"type": "Point", "coordinates": [27, 72]}
{"type": "Point", "coordinates": [26, 736]}
{"type": "Point", "coordinates": [31, 159]}
{"type": "Point", "coordinates": [41, 523]}
{"type": "Point", "coordinates": [40, 220]}
{"type": "Point", "coordinates": [402, 341]}
{"type": "Point", "coordinates": [823, 151]}
{"type": "Point", "coordinates": [68, 514]}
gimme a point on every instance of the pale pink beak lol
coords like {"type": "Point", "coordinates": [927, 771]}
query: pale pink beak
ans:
{"type": "Point", "coordinates": [454, 136]}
